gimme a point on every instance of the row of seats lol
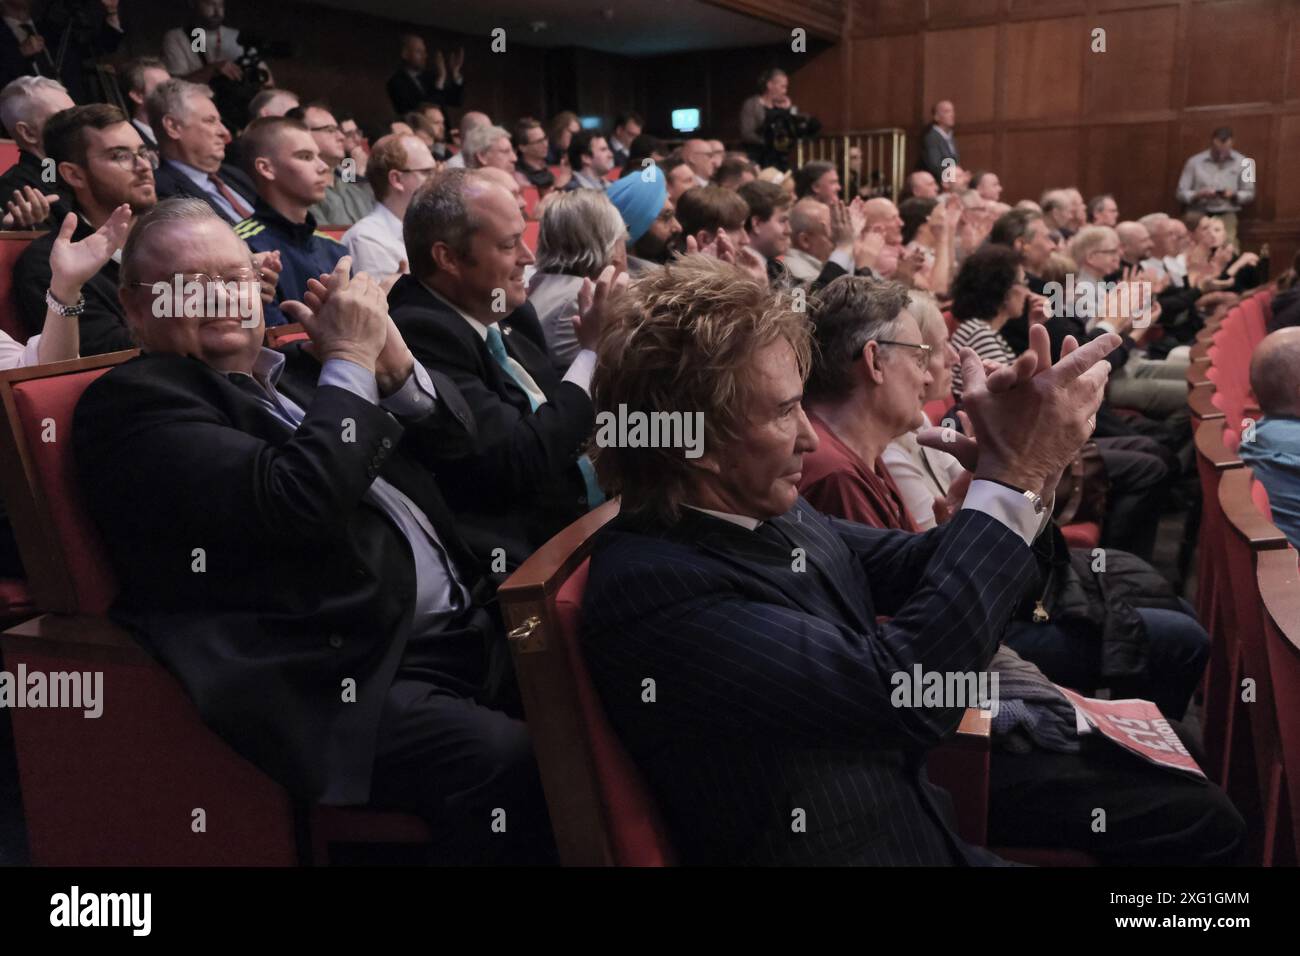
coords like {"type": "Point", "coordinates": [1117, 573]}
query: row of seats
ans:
{"type": "Point", "coordinates": [1248, 596]}
{"type": "Point", "coordinates": [148, 784]}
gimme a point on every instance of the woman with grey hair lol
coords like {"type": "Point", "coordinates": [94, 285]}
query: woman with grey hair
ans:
{"type": "Point", "coordinates": [582, 232]}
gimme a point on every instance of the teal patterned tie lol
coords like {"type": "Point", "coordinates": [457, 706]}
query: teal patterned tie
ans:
{"type": "Point", "coordinates": [496, 347]}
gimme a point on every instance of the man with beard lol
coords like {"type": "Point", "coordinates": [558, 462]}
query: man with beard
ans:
{"type": "Point", "coordinates": [103, 163]}
{"type": "Point", "coordinates": [642, 200]}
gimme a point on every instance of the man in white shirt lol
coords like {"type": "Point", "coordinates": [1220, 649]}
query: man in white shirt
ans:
{"type": "Point", "coordinates": [399, 165]}
{"type": "Point", "coordinates": [699, 156]}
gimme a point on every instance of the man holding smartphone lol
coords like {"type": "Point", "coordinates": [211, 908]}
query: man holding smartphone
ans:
{"type": "Point", "coordinates": [1219, 181]}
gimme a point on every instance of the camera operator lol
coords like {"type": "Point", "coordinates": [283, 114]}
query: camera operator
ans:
{"type": "Point", "coordinates": [229, 61]}
{"type": "Point", "coordinates": [770, 123]}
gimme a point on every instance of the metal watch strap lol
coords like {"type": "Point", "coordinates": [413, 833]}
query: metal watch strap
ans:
{"type": "Point", "coordinates": [58, 308]}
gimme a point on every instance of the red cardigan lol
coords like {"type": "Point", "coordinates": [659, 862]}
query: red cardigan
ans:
{"type": "Point", "coordinates": [836, 481]}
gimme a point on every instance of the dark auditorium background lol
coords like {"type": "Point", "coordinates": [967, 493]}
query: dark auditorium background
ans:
{"type": "Point", "coordinates": [1033, 103]}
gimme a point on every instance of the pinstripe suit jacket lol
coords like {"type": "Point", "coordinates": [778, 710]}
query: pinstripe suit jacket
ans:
{"type": "Point", "coordinates": [771, 686]}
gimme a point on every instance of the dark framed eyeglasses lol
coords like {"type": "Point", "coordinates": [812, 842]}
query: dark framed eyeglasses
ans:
{"type": "Point", "coordinates": [325, 129]}
{"type": "Point", "coordinates": [423, 171]}
{"type": "Point", "coordinates": [125, 158]}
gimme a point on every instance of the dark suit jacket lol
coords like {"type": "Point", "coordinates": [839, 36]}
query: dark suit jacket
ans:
{"type": "Point", "coordinates": [778, 276]}
{"type": "Point", "coordinates": [773, 686]}
{"type": "Point", "coordinates": [521, 484]}
{"type": "Point", "coordinates": [169, 181]}
{"type": "Point", "coordinates": [305, 585]}
{"type": "Point", "coordinates": [28, 171]}
{"type": "Point", "coordinates": [934, 150]}
{"type": "Point", "coordinates": [405, 95]}
{"type": "Point", "coordinates": [102, 325]}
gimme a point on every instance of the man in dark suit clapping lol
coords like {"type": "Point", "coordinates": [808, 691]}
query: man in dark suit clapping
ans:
{"type": "Point", "coordinates": [732, 630]}
{"type": "Point", "coordinates": [414, 83]}
{"type": "Point", "coordinates": [282, 546]}
{"type": "Point", "coordinates": [463, 312]}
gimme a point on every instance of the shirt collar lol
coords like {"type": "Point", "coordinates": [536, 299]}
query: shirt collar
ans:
{"type": "Point", "coordinates": [266, 369]}
{"type": "Point", "coordinates": [388, 218]}
{"type": "Point", "coordinates": [198, 176]}
{"type": "Point", "coordinates": [474, 323]}
{"type": "Point", "coordinates": [745, 521]}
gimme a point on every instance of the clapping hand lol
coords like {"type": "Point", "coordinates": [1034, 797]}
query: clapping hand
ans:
{"type": "Point", "coordinates": [28, 208]}
{"type": "Point", "coordinates": [593, 305]}
{"type": "Point", "coordinates": [1032, 416]}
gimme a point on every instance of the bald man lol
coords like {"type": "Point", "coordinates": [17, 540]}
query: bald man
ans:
{"type": "Point", "coordinates": [468, 122]}
{"type": "Point", "coordinates": [525, 479]}
{"type": "Point", "coordinates": [921, 185]}
{"type": "Point", "coordinates": [1272, 450]}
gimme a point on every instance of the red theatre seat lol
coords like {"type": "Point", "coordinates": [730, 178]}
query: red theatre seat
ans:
{"type": "Point", "coordinates": [532, 196]}
{"type": "Point", "coordinates": [12, 245]}
{"type": "Point", "coordinates": [1213, 459]}
{"type": "Point", "coordinates": [532, 229]}
{"type": "Point", "coordinates": [334, 232]}
{"type": "Point", "coordinates": [278, 335]}
{"type": "Point", "coordinates": [9, 153]}
{"type": "Point", "coordinates": [1279, 588]}
{"type": "Point", "coordinates": [601, 810]}
{"type": "Point", "coordinates": [145, 783]}
{"type": "Point", "coordinates": [1253, 772]}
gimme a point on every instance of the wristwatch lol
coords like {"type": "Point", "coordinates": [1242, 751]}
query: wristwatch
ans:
{"type": "Point", "coordinates": [58, 308]}
{"type": "Point", "coordinates": [1034, 499]}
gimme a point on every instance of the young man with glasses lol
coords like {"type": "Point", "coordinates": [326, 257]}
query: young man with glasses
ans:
{"type": "Point", "coordinates": [291, 176]}
{"type": "Point", "coordinates": [104, 164]}
{"type": "Point", "coordinates": [399, 165]}
{"type": "Point", "coordinates": [532, 144]}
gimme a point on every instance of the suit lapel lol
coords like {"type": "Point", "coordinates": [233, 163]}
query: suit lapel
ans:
{"type": "Point", "coordinates": [776, 563]}
{"type": "Point", "coordinates": [807, 529]}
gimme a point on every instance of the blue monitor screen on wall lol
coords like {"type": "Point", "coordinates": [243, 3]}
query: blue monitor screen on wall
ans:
{"type": "Point", "coordinates": [686, 120]}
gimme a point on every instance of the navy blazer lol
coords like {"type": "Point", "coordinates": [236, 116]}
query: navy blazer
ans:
{"type": "Point", "coordinates": [170, 181]}
{"type": "Point", "coordinates": [934, 150]}
{"type": "Point", "coordinates": [772, 685]}
{"type": "Point", "coordinates": [304, 584]}
{"type": "Point", "coordinates": [521, 484]}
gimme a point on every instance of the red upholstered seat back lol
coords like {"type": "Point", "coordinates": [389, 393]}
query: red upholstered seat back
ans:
{"type": "Point", "coordinates": [532, 229]}
{"type": "Point", "coordinates": [532, 196]}
{"type": "Point", "coordinates": [1278, 577]}
{"type": "Point", "coordinates": [45, 407]}
{"type": "Point", "coordinates": [9, 153]}
{"type": "Point", "coordinates": [1253, 321]}
{"type": "Point", "coordinates": [637, 833]}
{"type": "Point", "coordinates": [11, 247]}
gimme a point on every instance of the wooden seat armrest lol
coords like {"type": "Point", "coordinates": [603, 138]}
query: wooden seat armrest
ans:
{"type": "Point", "coordinates": [78, 637]}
